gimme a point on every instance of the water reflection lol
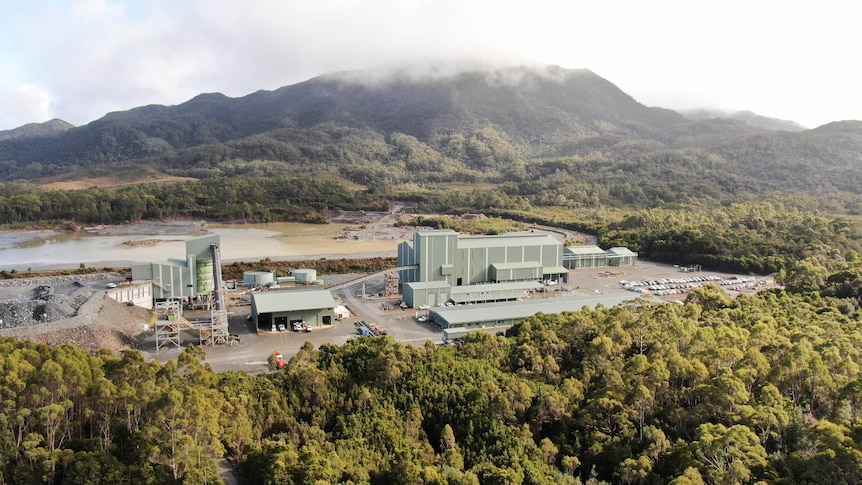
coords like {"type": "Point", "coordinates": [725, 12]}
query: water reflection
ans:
{"type": "Point", "coordinates": [251, 242]}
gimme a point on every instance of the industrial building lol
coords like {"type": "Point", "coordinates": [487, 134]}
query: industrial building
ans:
{"type": "Point", "coordinates": [448, 267]}
{"type": "Point", "coordinates": [280, 310]}
{"type": "Point", "coordinates": [621, 257]}
{"type": "Point", "coordinates": [182, 279]}
{"type": "Point", "coordinates": [196, 278]}
{"type": "Point", "coordinates": [585, 257]}
{"type": "Point", "coordinates": [456, 320]}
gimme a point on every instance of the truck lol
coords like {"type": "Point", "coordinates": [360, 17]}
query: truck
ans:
{"type": "Point", "coordinates": [279, 360]}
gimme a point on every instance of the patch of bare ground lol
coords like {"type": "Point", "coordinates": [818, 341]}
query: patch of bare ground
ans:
{"type": "Point", "coordinates": [69, 309]}
{"type": "Point", "coordinates": [129, 175]}
{"type": "Point", "coordinates": [114, 326]}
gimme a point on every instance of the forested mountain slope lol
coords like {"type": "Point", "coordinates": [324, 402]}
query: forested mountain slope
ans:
{"type": "Point", "coordinates": [514, 124]}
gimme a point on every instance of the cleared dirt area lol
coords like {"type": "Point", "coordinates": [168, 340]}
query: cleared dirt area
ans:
{"type": "Point", "coordinates": [69, 309]}
{"type": "Point", "coordinates": [129, 175]}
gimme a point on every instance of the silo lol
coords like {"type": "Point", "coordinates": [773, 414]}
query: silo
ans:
{"type": "Point", "coordinates": [304, 276]}
{"type": "Point", "coordinates": [258, 278]}
{"type": "Point", "coordinates": [204, 277]}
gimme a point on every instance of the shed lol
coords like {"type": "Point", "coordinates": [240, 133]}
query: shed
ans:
{"type": "Point", "coordinates": [315, 307]}
{"type": "Point", "coordinates": [342, 313]}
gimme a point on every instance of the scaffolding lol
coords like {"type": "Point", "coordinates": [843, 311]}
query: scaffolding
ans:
{"type": "Point", "coordinates": [218, 332]}
{"type": "Point", "coordinates": [170, 321]}
{"type": "Point", "coordinates": [392, 281]}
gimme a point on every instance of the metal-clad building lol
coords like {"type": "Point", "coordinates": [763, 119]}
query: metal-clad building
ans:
{"type": "Point", "coordinates": [457, 320]}
{"type": "Point", "coordinates": [448, 264]}
{"type": "Point", "coordinates": [178, 279]}
{"type": "Point", "coordinates": [581, 257]}
{"type": "Point", "coordinates": [315, 307]}
{"type": "Point", "coordinates": [621, 257]}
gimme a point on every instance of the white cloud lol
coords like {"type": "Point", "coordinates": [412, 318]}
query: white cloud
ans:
{"type": "Point", "coordinates": [24, 104]}
{"type": "Point", "coordinates": [790, 60]}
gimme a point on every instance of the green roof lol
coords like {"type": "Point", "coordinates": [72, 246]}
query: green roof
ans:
{"type": "Point", "coordinates": [292, 300]}
{"type": "Point", "coordinates": [520, 310]}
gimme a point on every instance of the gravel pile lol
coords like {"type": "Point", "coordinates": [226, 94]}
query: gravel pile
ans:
{"type": "Point", "coordinates": [63, 309]}
{"type": "Point", "coordinates": [53, 280]}
{"type": "Point", "coordinates": [44, 305]}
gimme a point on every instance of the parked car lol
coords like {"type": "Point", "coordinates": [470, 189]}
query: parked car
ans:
{"type": "Point", "coordinates": [424, 307]}
{"type": "Point", "coordinates": [423, 318]}
{"type": "Point", "coordinates": [112, 285]}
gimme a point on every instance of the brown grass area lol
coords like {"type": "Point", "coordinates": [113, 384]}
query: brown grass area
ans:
{"type": "Point", "coordinates": [81, 179]}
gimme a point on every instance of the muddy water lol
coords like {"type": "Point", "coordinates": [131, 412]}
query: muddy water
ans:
{"type": "Point", "coordinates": [41, 250]}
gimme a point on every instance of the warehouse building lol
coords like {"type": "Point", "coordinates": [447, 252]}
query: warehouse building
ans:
{"type": "Point", "coordinates": [456, 320]}
{"type": "Point", "coordinates": [586, 257]}
{"type": "Point", "coordinates": [449, 267]}
{"type": "Point", "coordinates": [621, 257]}
{"type": "Point", "coordinates": [281, 310]}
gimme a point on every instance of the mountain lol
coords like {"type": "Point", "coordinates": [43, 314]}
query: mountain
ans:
{"type": "Point", "coordinates": [513, 124]}
{"type": "Point", "coordinates": [747, 117]}
{"type": "Point", "coordinates": [46, 129]}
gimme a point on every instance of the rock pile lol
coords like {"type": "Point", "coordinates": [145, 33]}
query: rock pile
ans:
{"type": "Point", "coordinates": [64, 309]}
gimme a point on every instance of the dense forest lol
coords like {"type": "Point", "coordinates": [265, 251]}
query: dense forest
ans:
{"type": "Point", "coordinates": [762, 388]}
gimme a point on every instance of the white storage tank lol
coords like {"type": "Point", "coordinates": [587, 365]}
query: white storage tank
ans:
{"type": "Point", "coordinates": [258, 278]}
{"type": "Point", "coordinates": [304, 276]}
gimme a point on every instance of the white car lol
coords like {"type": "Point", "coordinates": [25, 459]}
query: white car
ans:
{"type": "Point", "coordinates": [112, 285]}
{"type": "Point", "coordinates": [424, 307]}
{"type": "Point", "coordinates": [423, 318]}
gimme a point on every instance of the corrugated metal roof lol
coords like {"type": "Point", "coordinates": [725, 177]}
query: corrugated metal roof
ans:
{"type": "Point", "coordinates": [584, 250]}
{"type": "Point", "coordinates": [555, 270]}
{"type": "Point", "coordinates": [525, 264]}
{"type": "Point", "coordinates": [291, 300]}
{"type": "Point", "coordinates": [494, 287]}
{"type": "Point", "coordinates": [427, 285]}
{"type": "Point", "coordinates": [519, 310]}
{"type": "Point", "coordinates": [437, 232]}
{"type": "Point", "coordinates": [507, 240]}
{"type": "Point", "coordinates": [619, 251]}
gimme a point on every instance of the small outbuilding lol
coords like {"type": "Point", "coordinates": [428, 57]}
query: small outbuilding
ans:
{"type": "Point", "coordinates": [342, 313]}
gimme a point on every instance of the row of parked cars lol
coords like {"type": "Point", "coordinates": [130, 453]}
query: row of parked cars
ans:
{"type": "Point", "coordinates": [671, 286]}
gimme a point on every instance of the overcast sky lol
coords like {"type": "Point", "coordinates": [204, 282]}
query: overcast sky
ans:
{"type": "Point", "coordinates": [78, 60]}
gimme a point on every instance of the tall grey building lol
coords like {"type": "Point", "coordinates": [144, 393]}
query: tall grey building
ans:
{"type": "Point", "coordinates": [471, 269]}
